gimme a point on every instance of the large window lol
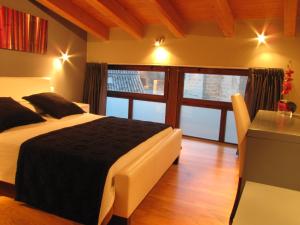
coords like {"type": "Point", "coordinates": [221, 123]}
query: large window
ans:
{"type": "Point", "coordinates": [135, 81]}
{"type": "Point", "coordinates": [195, 99]}
{"type": "Point", "coordinates": [137, 92]}
{"type": "Point", "coordinates": [205, 110]}
{"type": "Point", "coordinates": [213, 87]}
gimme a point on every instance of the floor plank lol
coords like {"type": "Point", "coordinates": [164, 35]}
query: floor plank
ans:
{"type": "Point", "coordinates": [200, 190]}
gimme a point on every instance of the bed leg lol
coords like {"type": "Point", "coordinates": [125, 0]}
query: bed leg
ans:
{"type": "Point", "coordinates": [176, 161]}
{"type": "Point", "coordinates": [117, 220]}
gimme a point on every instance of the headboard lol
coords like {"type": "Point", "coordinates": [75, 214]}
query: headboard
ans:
{"type": "Point", "coordinates": [17, 87]}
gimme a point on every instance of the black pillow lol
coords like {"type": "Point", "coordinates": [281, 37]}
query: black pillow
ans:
{"type": "Point", "coordinates": [53, 104]}
{"type": "Point", "coordinates": [13, 114]}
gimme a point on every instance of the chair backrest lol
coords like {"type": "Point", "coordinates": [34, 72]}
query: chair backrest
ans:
{"type": "Point", "coordinates": [242, 121]}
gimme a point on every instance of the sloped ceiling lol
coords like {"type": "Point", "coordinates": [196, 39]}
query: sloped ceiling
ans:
{"type": "Point", "coordinates": [133, 16]}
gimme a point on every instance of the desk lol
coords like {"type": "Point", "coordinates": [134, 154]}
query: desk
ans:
{"type": "Point", "coordinates": [267, 205]}
{"type": "Point", "coordinates": [273, 150]}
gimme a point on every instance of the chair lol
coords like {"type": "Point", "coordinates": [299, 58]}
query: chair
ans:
{"type": "Point", "coordinates": [242, 121]}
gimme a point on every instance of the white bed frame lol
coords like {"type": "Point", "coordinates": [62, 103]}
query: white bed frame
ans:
{"type": "Point", "coordinates": [130, 186]}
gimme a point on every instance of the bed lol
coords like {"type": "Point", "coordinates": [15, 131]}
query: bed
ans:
{"type": "Point", "coordinates": [129, 179]}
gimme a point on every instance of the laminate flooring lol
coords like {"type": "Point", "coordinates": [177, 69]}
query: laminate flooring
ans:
{"type": "Point", "coordinates": [200, 190]}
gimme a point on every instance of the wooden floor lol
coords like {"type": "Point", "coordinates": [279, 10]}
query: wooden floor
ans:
{"type": "Point", "coordinates": [198, 191]}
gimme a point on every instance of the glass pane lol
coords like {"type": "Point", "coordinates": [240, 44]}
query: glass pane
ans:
{"type": "Point", "coordinates": [200, 122]}
{"type": "Point", "coordinates": [117, 107]}
{"type": "Point", "coordinates": [149, 111]}
{"type": "Point", "coordinates": [144, 82]}
{"type": "Point", "coordinates": [230, 134]}
{"type": "Point", "coordinates": [214, 87]}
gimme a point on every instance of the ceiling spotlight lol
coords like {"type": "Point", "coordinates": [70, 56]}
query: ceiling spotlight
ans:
{"type": "Point", "coordinates": [261, 38]}
{"type": "Point", "coordinates": [159, 41]}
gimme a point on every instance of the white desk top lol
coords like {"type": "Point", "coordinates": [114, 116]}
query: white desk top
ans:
{"type": "Point", "coordinates": [262, 204]}
{"type": "Point", "coordinates": [273, 125]}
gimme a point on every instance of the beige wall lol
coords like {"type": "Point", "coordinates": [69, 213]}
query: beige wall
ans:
{"type": "Point", "coordinates": [204, 46]}
{"type": "Point", "coordinates": [61, 37]}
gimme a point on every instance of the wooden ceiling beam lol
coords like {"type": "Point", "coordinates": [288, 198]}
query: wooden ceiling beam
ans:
{"type": "Point", "coordinates": [77, 16]}
{"type": "Point", "coordinates": [119, 15]}
{"type": "Point", "coordinates": [170, 17]}
{"type": "Point", "coordinates": [290, 17]}
{"type": "Point", "coordinates": [223, 15]}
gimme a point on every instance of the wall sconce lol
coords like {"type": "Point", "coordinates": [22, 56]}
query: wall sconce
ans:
{"type": "Point", "coordinates": [65, 57]}
{"type": "Point", "coordinates": [159, 41]}
{"type": "Point", "coordinates": [57, 64]}
{"type": "Point", "coordinates": [261, 38]}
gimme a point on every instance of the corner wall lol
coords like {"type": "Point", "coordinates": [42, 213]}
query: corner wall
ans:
{"type": "Point", "coordinates": [205, 46]}
{"type": "Point", "coordinates": [62, 36]}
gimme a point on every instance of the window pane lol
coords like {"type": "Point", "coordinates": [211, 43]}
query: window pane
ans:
{"type": "Point", "coordinates": [149, 111]}
{"type": "Point", "coordinates": [144, 82]}
{"type": "Point", "coordinates": [117, 107]}
{"type": "Point", "coordinates": [230, 134]}
{"type": "Point", "coordinates": [200, 122]}
{"type": "Point", "coordinates": [213, 87]}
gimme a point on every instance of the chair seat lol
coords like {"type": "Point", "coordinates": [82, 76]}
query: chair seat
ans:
{"type": "Point", "coordinates": [17, 213]}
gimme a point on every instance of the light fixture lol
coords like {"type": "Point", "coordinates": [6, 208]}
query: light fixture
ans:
{"type": "Point", "coordinates": [159, 41]}
{"type": "Point", "coordinates": [261, 38]}
{"type": "Point", "coordinates": [161, 55]}
{"type": "Point", "coordinates": [65, 56]}
{"type": "Point", "coordinates": [57, 63]}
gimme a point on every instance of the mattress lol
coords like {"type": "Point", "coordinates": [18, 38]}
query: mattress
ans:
{"type": "Point", "coordinates": [11, 140]}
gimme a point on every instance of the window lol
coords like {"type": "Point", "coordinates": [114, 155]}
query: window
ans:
{"type": "Point", "coordinates": [135, 81]}
{"type": "Point", "coordinates": [137, 92]}
{"type": "Point", "coordinates": [214, 87]}
{"type": "Point", "coordinates": [195, 99]}
{"type": "Point", "coordinates": [200, 122]}
{"type": "Point", "coordinates": [149, 111]}
{"type": "Point", "coordinates": [117, 107]}
{"type": "Point", "coordinates": [205, 110]}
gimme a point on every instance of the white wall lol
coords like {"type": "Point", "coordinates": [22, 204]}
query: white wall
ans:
{"type": "Point", "coordinates": [62, 36]}
{"type": "Point", "coordinates": [204, 46]}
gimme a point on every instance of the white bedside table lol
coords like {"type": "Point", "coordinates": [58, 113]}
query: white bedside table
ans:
{"type": "Point", "coordinates": [84, 106]}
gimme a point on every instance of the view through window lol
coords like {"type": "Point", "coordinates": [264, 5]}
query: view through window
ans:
{"type": "Point", "coordinates": [213, 90]}
{"type": "Point", "coordinates": [197, 102]}
{"type": "Point", "coordinates": [133, 81]}
{"type": "Point", "coordinates": [132, 89]}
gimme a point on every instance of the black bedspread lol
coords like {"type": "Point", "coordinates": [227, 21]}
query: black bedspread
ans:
{"type": "Point", "coordinates": [64, 171]}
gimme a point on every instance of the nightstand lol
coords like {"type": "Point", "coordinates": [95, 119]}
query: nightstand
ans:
{"type": "Point", "coordinates": [84, 106]}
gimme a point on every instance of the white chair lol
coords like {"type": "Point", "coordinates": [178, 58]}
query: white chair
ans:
{"type": "Point", "coordinates": [242, 121]}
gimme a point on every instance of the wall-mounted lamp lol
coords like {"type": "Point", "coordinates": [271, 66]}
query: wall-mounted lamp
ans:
{"type": "Point", "coordinates": [65, 56]}
{"type": "Point", "coordinates": [57, 64]}
{"type": "Point", "coordinates": [159, 41]}
{"type": "Point", "coordinates": [261, 38]}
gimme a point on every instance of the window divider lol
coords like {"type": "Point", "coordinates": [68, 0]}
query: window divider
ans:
{"type": "Point", "coordinates": [130, 108]}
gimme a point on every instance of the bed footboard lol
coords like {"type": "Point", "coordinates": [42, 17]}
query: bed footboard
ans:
{"type": "Point", "coordinates": [137, 179]}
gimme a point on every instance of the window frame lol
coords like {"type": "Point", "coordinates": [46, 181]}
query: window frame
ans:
{"type": "Point", "coordinates": [223, 106]}
{"type": "Point", "coordinates": [138, 96]}
{"type": "Point", "coordinates": [174, 90]}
